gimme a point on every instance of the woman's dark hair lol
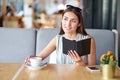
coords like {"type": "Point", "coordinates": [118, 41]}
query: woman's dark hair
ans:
{"type": "Point", "coordinates": [78, 13]}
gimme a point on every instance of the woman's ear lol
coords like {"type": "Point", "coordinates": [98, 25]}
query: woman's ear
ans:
{"type": "Point", "coordinates": [79, 25]}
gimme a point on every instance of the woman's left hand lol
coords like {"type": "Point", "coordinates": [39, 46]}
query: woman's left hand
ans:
{"type": "Point", "coordinates": [74, 56]}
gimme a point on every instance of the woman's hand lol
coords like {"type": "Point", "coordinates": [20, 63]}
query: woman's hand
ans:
{"type": "Point", "coordinates": [75, 57]}
{"type": "Point", "coordinates": [27, 60]}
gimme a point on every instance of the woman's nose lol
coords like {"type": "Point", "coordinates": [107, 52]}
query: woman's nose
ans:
{"type": "Point", "coordinates": [68, 23]}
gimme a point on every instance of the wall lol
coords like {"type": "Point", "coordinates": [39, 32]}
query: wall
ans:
{"type": "Point", "coordinates": [118, 28]}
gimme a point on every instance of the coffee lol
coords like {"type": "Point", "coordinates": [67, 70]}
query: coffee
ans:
{"type": "Point", "coordinates": [35, 61]}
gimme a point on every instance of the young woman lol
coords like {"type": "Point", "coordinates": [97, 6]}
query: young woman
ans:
{"type": "Point", "coordinates": [72, 28]}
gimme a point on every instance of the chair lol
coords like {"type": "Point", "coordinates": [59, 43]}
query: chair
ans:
{"type": "Point", "coordinates": [44, 35]}
{"type": "Point", "coordinates": [16, 44]}
{"type": "Point", "coordinates": [105, 40]}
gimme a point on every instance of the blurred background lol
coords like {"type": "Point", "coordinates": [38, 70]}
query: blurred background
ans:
{"type": "Point", "coordinates": [101, 14]}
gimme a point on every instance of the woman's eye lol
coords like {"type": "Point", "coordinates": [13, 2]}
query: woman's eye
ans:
{"type": "Point", "coordinates": [65, 19]}
{"type": "Point", "coordinates": [73, 21]}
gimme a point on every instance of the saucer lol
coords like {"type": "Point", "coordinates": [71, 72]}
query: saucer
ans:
{"type": "Point", "coordinates": [28, 65]}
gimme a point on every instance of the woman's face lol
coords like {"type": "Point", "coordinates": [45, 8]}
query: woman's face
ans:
{"type": "Point", "coordinates": [70, 22]}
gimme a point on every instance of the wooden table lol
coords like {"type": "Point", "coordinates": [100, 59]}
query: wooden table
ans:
{"type": "Point", "coordinates": [8, 70]}
{"type": "Point", "coordinates": [50, 72]}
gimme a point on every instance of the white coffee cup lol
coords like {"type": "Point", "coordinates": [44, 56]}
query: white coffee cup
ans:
{"type": "Point", "coordinates": [35, 61]}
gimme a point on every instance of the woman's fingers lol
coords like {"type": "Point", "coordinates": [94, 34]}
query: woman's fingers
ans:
{"type": "Point", "coordinates": [27, 60]}
{"type": "Point", "coordinates": [74, 55]}
{"type": "Point", "coordinates": [71, 53]}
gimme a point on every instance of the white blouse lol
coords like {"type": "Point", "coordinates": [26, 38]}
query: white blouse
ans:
{"type": "Point", "coordinates": [60, 57]}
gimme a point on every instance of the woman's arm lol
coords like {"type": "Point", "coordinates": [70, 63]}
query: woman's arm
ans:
{"type": "Point", "coordinates": [92, 55]}
{"type": "Point", "coordinates": [48, 49]}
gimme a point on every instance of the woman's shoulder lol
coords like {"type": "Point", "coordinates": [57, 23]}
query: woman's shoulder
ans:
{"type": "Point", "coordinates": [59, 36]}
{"type": "Point", "coordinates": [90, 36]}
{"type": "Point", "coordinates": [86, 36]}
{"type": "Point", "coordinates": [81, 36]}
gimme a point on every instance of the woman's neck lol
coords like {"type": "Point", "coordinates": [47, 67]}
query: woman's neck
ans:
{"type": "Point", "coordinates": [71, 36]}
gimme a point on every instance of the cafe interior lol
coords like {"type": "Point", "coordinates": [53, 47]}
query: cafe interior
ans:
{"type": "Point", "coordinates": [40, 13]}
{"type": "Point", "coordinates": [47, 14]}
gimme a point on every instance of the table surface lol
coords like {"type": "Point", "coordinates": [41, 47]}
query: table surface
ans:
{"type": "Point", "coordinates": [17, 71]}
{"type": "Point", "coordinates": [8, 70]}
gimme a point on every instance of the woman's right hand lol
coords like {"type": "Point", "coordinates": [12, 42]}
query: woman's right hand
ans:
{"type": "Point", "coordinates": [75, 57]}
{"type": "Point", "coordinates": [27, 60]}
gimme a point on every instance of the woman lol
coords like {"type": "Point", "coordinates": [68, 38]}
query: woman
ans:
{"type": "Point", "coordinates": [72, 28]}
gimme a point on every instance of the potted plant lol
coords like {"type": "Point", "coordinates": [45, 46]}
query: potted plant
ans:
{"type": "Point", "coordinates": [108, 64]}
